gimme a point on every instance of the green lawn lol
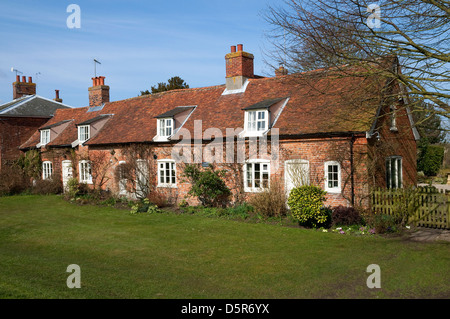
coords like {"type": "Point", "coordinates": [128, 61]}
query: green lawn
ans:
{"type": "Point", "coordinates": [187, 256]}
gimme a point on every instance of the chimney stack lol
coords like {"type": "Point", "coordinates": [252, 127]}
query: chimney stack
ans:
{"type": "Point", "coordinates": [239, 67]}
{"type": "Point", "coordinates": [281, 71]}
{"type": "Point", "coordinates": [22, 88]}
{"type": "Point", "coordinates": [99, 92]}
{"type": "Point", "coordinates": [57, 99]}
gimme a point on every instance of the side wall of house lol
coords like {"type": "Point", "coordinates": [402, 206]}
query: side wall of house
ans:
{"type": "Point", "coordinates": [15, 131]}
{"type": "Point", "coordinates": [395, 143]}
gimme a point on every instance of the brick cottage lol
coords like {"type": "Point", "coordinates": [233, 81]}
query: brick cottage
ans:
{"type": "Point", "coordinates": [339, 129]}
{"type": "Point", "coordinates": [22, 116]}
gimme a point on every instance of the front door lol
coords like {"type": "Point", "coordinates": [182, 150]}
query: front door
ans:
{"type": "Point", "coordinates": [66, 173]}
{"type": "Point", "coordinates": [296, 174]}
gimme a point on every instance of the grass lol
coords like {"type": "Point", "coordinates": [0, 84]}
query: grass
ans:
{"type": "Point", "coordinates": [188, 256]}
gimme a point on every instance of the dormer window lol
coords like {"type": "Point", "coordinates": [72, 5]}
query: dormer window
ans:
{"type": "Point", "coordinates": [165, 127]}
{"type": "Point", "coordinates": [45, 137]}
{"type": "Point", "coordinates": [170, 122]}
{"type": "Point", "coordinates": [83, 133]}
{"type": "Point", "coordinates": [260, 117]}
{"type": "Point", "coordinates": [257, 121]}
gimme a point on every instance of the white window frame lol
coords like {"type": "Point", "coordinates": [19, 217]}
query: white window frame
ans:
{"type": "Point", "coordinates": [253, 188]}
{"type": "Point", "coordinates": [162, 173]}
{"type": "Point", "coordinates": [47, 170]}
{"type": "Point", "coordinates": [85, 133]}
{"type": "Point", "coordinates": [253, 129]}
{"type": "Point", "coordinates": [165, 127]}
{"type": "Point", "coordinates": [394, 163]}
{"type": "Point", "coordinates": [332, 189]}
{"type": "Point", "coordinates": [85, 177]}
{"type": "Point", "coordinates": [45, 137]}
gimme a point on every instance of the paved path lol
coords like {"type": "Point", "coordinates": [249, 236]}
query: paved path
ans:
{"type": "Point", "coordinates": [429, 234]}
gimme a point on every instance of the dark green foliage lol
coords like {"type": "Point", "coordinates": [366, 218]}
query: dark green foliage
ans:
{"type": "Point", "coordinates": [173, 83]}
{"type": "Point", "coordinates": [207, 185]}
{"type": "Point", "coordinates": [430, 159]}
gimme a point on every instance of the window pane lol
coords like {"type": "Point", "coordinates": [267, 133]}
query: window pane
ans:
{"type": "Point", "coordinates": [249, 175]}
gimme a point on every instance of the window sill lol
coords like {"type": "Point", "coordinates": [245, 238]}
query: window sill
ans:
{"type": "Point", "coordinates": [158, 138]}
{"type": "Point", "coordinates": [167, 186]}
{"type": "Point", "coordinates": [333, 191]}
{"type": "Point", "coordinates": [254, 190]}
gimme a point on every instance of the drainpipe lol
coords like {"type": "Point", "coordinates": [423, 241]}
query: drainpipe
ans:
{"type": "Point", "coordinates": [352, 179]}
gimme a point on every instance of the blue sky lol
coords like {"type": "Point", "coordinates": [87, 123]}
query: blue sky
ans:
{"type": "Point", "coordinates": [139, 43]}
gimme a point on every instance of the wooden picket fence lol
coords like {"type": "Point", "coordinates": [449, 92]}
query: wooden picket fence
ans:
{"type": "Point", "coordinates": [425, 206]}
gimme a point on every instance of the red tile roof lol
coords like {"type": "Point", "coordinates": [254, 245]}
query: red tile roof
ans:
{"type": "Point", "coordinates": [319, 102]}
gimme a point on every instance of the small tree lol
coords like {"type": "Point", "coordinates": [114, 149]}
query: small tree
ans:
{"type": "Point", "coordinates": [207, 185]}
{"type": "Point", "coordinates": [173, 83]}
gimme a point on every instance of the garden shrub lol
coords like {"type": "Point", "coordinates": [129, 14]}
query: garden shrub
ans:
{"type": "Point", "coordinates": [305, 203]}
{"type": "Point", "coordinates": [383, 223]}
{"type": "Point", "coordinates": [157, 198]}
{"type": "Point", "coordinates": [13, 180]}
{"type": "Point", "coordinates": [346, 216]}
{"type": "Point", "coordinates": [270, 202]}
{"type": "Point", "coordinates": [72, 188]}
{"type": "Point", "coordinates": [47, 187]}
{"type": "Point", "coordinates": [207, 185]}
{"type": "Point", "coordinates": [145, 206]}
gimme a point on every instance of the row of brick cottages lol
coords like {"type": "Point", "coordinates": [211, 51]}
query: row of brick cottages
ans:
{"type": "Point", "coordinates": [334, 129]}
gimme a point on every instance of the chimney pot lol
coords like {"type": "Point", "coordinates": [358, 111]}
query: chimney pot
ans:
{"type": "Point", "coordinates": [99, 92]}
{"type": "Point", "coordinates": [57, 94]}
{"type": "Point", "coordinates": [233, 48]}
{"type": "Point", "coordinates": [240, 47]}
{"type": "Point", "coordinates": [21, 88]}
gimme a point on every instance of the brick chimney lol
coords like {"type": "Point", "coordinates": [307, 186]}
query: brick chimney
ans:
{"type": "Point", "coordinates": [21, 88]}
{"type": "Point", "coordinates": [281, 71]}
{"type": "Point", "coordinates": [99, 92]}
{"type": "Point", "coordinates": [239, 67]}
{"type": "Point", "coordinates": [57, 99]}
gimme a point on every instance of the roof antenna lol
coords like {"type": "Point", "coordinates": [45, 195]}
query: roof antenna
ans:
{"type": "Point", "coordinates": [95, 67]}
{"type": "Point", "coordinates": [15, 70]}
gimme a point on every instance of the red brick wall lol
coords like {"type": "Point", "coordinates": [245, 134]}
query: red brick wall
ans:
{"type": "Point", "coordinates": [98, 95]}
{"type": "Point", "coordinates": [15, 131]}
{"type": "Point", "coordinates": [395, 143]}
{"type": "Point", "coordinates": [239, 63]}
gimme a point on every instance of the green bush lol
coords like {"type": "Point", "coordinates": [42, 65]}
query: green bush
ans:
{"type": "Point", "coordinates": [305, 203]}
{"type": "Point", "coordinates": [207, 185]}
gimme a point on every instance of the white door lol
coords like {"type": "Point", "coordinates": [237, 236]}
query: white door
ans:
{"type": "Point", "coordinates": [296, 174]}
{"type": "Point", "coordinates": [142, 181]}
{"type": "Point", "coordinates": [67, 172]}
{"type": "Point", "coordinates": [122, 180]}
